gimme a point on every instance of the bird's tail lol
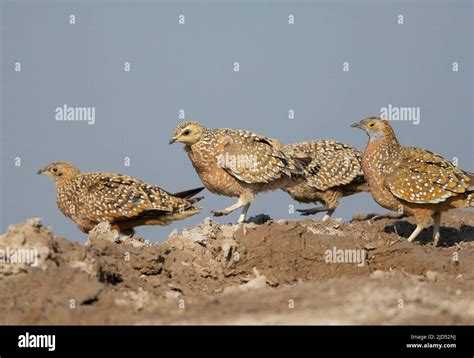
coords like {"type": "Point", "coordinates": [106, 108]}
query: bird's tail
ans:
{"type": "Point", "coordinates": [358, 185]}
{"type": "Point", "coordinates": [159, 217]}
{"type": "Point", "coordinates": [302, 162]}
{"type": "Point", "coordinates": [298, 166]}
{"type": "Point", "coordinates": [188, 193]}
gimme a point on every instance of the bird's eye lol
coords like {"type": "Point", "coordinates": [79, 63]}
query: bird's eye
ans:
{"type": "Point", "coordinates": [372, 124]}
{"type": "Point", "coordinates": [186, 132]}
{"type": "Point", "coordinates": [54, 170]}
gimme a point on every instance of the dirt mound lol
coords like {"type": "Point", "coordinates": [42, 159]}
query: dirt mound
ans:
{"type": "Point", "coordinates": [305, 272]}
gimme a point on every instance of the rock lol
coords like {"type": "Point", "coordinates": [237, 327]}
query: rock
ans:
{"type": "Point", "coordinates": [85, 266]}
{"type": "Point", "coordinates": [259, 219]}
{"type": "Point", "coordinates": [103, 231]}
{"type": "Point", "coordinates": [24, 247]}
{"type": "Point", "coordinates": [135, 299]}
{"type": "Point", "coordinates": [331, 228]}
{"type": "Point", "coordinates": [227, 250]}
{"type": "Point", "coordinates": [194, 236]}
{"type": "Point", "coordinates": [173, 234]}
{"type": "Point", "coordinates": [208, 221]}
{"type": "Point", "coordinates": [257, 283]}
{"type": "Point", "coordinates": [432, 276]}
{"type": "Point", "coordinates": [229, 230]}
{"type": "Point", "coordinates": [172, 295]}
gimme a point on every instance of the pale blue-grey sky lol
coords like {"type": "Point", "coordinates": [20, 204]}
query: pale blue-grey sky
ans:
{"type": "Point", "coordinates": [191, 66]}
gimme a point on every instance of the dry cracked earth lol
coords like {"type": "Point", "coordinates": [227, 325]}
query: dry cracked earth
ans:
{"type": "Point", "coordinates": [269, 272]}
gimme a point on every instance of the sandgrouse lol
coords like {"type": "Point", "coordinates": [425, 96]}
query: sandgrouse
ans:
{"type": "Point", "coordinates": [334, 172]}
{"type": "Point", "coordinates": [235, 163]}
{"type": "Point", "coordinates": [125, 202]}
{"type": "Point", "coordinates": [412, 180]}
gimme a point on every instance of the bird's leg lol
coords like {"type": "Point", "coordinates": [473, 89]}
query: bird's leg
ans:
{"type": "Point", "coordinates": [415, 233]}
{"type": "Point", "coordinates": [227, 210]}
{"type": "Point", "coordinates": [328, 214]}
{"type": "Point", "coordinates": [243, 215]}
{"type": "Point", "coordinates": [436, 226]}
{"type": "Point", "coordinates": [244, 201]}
{"type": "Point", "coordinates": [306, 212]}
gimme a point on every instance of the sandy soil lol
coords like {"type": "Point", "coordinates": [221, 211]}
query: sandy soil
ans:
{"type": "Point", "coordinates": [265, 273]}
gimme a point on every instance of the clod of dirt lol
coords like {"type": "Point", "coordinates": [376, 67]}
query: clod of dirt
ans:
{"type": "Point", "coordinates": [25, 247]}
{"type": "Point", "coordinates": [256, 283]}
{"type": "Point", "coordinates": [432, 276]}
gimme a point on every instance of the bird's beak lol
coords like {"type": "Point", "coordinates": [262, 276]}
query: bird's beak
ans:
{"type": "Point", "coordinates": [41, 171]}
{"type": "Point", "coordinates": [172, 140]}
{"type": "Point", "coordinates": [357, 125]}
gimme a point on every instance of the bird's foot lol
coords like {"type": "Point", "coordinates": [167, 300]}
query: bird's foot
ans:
{"type": "Point", "coordinates": [306, 212]}
{"type": "Point", "coordinates": [327, 217]}
{"type": "Point", "coordinates": [219, 212]}
{"type": "Point", "coordinates": [241, 220]}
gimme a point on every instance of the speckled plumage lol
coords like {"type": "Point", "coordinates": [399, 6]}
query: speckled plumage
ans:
{"type": "Point", "coordinates": [235, 163]}
{"type": "Point", "coordinates": [412, 180]}
{"type": "Point", "coordinates": [125, 202]}
{"type": "Point", "coordinates": [334, 172]}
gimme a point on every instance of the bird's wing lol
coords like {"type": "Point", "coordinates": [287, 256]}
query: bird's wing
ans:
{"type": "Point", "coordinates": [332, 163]}
{"type": "Point", "coordinates": [119, 197]}
{"type": "Point", "coordinates": [253, 159]}
{"type": "Point", "coordinates": [423, 177]}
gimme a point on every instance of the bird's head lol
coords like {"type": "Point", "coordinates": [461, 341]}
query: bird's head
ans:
{"type": "Point", "coordinates": [375, 127]}
{"type": "Point", "coordinates": [59, 171]}
{"type": "Point", "coordinates": [187, 133]}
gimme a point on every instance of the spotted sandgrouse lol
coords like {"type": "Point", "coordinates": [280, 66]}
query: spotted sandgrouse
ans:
{"type": "Point", "coordinates": [235, 163]}
{"type": "Point", "coordinates": [412, 180]}
{"type": "Point", "coordinates": [334, 172]}
{"type": "Point", "coordinates": [125, 202]}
